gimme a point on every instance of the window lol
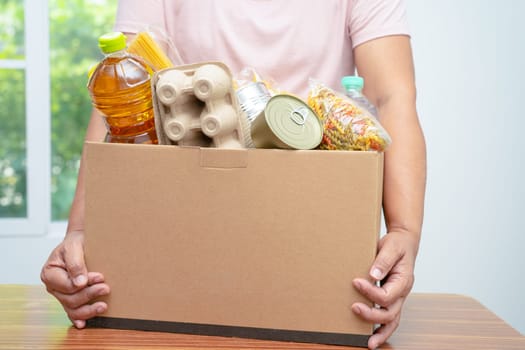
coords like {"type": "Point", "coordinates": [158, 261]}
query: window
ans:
{"type": "Point", "coordinates": [74, 49]}
{"type": "Point", "coordinates": [46, 49]}
{"type": "Point", "coordinates": [24, 118]}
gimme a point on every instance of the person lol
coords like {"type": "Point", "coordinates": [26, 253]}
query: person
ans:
{"type": "Point", "coordinates": [289, 41]}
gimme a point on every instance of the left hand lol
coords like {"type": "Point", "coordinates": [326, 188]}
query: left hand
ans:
{"type": "Point", "coordinates": [394, 265]}
{"type": "Point", "coordinates": [67, 278]}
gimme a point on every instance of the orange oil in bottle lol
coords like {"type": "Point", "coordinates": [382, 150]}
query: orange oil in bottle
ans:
{"type": "Point", "coordinates": [120, 88]}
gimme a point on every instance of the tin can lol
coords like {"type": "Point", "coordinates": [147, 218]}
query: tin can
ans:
{"type": "Point", "coordinates": [286, 122]}
{"type": "Point", "coordinates": [252, 99]}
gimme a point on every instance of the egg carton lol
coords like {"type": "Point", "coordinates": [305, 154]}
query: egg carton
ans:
{"type": "Point", "coordinates": [195, 105]}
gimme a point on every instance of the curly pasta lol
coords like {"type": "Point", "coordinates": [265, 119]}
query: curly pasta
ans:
{"type": "Point", "coordinates": [347, 126]}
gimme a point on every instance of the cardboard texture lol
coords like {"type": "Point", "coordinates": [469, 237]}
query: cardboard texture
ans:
{"type": "Point", "coordinates": [247, 242]}
{"type": "Point", "coordinates": [195, 106]}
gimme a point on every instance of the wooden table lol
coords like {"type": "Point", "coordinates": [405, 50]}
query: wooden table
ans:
{"type": "Point", "coordinates": [32, 319]}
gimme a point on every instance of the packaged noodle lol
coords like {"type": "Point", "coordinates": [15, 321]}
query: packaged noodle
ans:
{"type": "Point", "coordinates": [155, 47]}
{"type": "Point", "coordinates": [346, 125]}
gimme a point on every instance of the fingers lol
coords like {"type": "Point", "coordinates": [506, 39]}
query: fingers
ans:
{"type": "Point", "coordinates": [77, 305]}
{"type": "Point", "coordinates": [65, 270]}
{"type": "Point", "coordinates": [389, 254]}
{"type": "Point", "coordinates": [81, 297]}
{"type": "Point", "coordinates": [393, 264]}
{"type": "Point", "coordinates": [57, 279]}
{"type": "Point", "coordinates": [377, 315]}
{"type": "Point", "coordinates": [95, 277]}
{"type": "Point", "coordinates": [387, 317]}
{"type": "Point", "coordinates": [396, 286]}
{"type": "Point", "coordinates": [394, 260]}
{"type": "Point", "coordinates": [79, 324]}
{"type": "Point", "coordinates": [79, 315]}
{"type": "Point", "coordinates": [61, 274]}
{"type": "Point", "coordinates": [375, 294]}
{"type": "Point", "coordinates": [73, 257]}
{"type": "Point", "coordinates": [382, 334]}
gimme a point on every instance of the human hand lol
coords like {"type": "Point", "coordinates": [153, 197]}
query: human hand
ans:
{"type": "Point", "coordinates": [67, 279]}
{"type": "Point", "coordinates": [395, 262]}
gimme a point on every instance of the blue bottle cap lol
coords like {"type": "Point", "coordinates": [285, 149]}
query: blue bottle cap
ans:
{"type": "Point", "coordinates": [352, 82]}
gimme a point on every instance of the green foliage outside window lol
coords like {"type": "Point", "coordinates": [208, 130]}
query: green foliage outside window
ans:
{"type": "Point", "coordinates": [74, 28]}
{"type": "Point", "coordinates": [12, 113]}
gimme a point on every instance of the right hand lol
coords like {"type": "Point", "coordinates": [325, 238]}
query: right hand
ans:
{"type": "Point", "coordinates": [67, 279]}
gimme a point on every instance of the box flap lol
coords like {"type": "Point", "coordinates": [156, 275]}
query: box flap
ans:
{"type": "Point", "coordinates": [223, 158]}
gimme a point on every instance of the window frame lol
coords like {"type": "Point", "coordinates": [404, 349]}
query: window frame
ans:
{"type": "Point", "coordinates": [38, 123]}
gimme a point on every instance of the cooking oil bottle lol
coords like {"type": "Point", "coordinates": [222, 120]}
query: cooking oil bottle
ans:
{"type": "Point", "coordinates": [120, 88]}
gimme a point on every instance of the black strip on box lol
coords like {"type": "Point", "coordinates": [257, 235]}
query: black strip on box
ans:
{"type": "Point", "coordinates": [360, 340]}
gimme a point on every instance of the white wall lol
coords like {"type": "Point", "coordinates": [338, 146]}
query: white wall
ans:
{"type": "Point", "coordinates": [22, 258]}
{"type": "Point", "coordinates": [469, 62]}
{"type": "Point", "coordinates": [470, 57]}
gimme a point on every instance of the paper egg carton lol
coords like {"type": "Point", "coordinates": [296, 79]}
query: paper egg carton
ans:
{"type": "Point", "coordinates": [195, 105]}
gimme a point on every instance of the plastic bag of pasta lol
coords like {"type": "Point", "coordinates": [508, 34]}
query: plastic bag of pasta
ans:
{"type": "Point", "coordinates": [346, 125]}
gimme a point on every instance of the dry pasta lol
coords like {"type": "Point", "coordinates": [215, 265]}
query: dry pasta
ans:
{"type": "Point", "coordinates": [346, 125]}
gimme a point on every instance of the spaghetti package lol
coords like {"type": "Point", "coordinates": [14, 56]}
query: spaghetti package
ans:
{"type": "Point", "coordinates": [145, 46]}
{"type": "Point", "coordinates": [155, 47]}
{"type": "Point", "coordinates": [346, 125]}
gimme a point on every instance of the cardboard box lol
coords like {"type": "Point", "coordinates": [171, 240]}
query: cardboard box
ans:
{"type": "Point", "coordinates": [245, 243]}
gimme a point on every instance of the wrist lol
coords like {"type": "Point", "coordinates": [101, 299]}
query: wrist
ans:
{"type": "Point", "coordinates": [410, 240]}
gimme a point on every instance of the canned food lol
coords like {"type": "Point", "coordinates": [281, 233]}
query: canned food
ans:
{"type": "Point", "coordinates": [286, 122]}
{"type": "Point", "coordinates": [252, 99]}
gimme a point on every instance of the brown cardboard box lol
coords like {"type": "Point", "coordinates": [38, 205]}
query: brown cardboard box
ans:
{"type": "Point", "coordinates": [247, 243]}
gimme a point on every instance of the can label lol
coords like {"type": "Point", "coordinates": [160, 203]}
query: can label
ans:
{"type": "Point", "coordinates": [252, 99]}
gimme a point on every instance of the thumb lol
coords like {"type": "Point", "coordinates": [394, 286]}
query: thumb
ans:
{"type": "Point", "coordinates": [74, 259]}
{"type": "Point", "coordinates": [385, 260]}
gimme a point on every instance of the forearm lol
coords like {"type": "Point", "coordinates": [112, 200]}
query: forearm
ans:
{"type": "Point", "coordinates": [387, 66]}
{"type": "Point", "coordinates": [405, 165]}
{"type": "Point", "coordinates": [95, 132]}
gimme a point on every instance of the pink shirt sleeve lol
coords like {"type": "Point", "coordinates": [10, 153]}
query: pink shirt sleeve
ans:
{"type": "Point", "coordinates": [371, 19]}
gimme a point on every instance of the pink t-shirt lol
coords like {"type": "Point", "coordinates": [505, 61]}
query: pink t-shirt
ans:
{"type": "Point", "coordinates": [286, 41]}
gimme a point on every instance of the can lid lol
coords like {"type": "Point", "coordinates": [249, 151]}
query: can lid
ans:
{"type": "Point", "coordinates": [293, 122]}
{"type": "Point", "coordinates": [112, 42]}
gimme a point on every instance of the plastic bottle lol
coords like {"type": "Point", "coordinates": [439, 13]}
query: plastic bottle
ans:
{"type": "Point", "coordinates": [353, 86]}
{"type": "Point", "coordinates": [120, 88]}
